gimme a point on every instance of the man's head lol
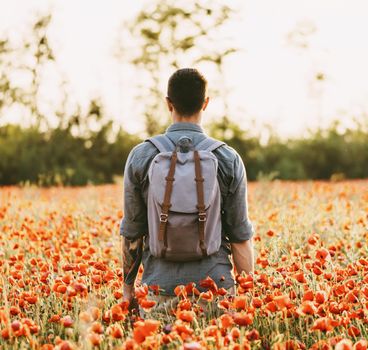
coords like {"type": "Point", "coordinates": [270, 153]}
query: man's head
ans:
{"type": "Point", "coordinates": [186, 92]}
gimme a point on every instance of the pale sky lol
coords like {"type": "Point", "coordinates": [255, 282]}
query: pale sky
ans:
{"type": "Point", "coordinates": [271, 81]}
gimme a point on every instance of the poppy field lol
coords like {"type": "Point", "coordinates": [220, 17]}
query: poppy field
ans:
{"type": "Point", "coordinates": [61, 274]}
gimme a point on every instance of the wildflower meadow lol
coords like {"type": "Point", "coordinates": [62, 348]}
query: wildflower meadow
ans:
{"type": "Point", "coordinates": [61, 274]}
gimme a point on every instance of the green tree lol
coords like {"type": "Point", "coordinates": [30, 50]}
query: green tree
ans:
{"type": "Point", "coordinates": [172, 35]}
{"type": "Point", "coordinates": [28, 60]}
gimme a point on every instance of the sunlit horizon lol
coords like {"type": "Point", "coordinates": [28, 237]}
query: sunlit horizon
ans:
{"type": "Point", "coordinates": [271, 80]}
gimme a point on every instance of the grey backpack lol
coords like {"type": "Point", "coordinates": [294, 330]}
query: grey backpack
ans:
{"type": "Point", "coordinates": [183, 205]}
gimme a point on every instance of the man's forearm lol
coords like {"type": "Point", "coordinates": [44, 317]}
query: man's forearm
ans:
{"type": "Point", "coordinates": [243, 256]}
{"type": "Point", "coordinates": [132, 257]}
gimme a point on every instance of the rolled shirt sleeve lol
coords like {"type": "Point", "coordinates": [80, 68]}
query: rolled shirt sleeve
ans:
{"type": "Point", "coordinates": [237, 225]}
{"type": "Point", "coordinates": [134, 223]}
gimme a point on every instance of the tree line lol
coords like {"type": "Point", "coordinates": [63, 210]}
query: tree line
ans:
{"type": "Point", "coordinates": [57, 157]}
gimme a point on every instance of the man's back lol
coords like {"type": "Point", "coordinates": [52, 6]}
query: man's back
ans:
{"type": "Point", "coordinates": [235, 224]}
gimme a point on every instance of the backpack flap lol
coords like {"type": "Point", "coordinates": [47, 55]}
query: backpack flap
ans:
{"type": "Point", "coordinates": [184, 193]}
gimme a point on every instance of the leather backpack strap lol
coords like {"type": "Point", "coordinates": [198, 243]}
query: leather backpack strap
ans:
{"type": "Point", "coordinates": [201, 206]}
{"type": "Point", "coordinates": [162, 234]}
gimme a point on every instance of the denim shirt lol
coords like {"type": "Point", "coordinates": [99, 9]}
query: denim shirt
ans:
{"type": "Point", "coordinates": [236, 226]}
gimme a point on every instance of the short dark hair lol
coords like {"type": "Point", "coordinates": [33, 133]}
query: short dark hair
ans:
{"type": "Point", "coordinates": [187, 91]}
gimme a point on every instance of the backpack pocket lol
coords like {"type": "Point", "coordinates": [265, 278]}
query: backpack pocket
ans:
{"type": "Point", "coordinates": [183, 237]}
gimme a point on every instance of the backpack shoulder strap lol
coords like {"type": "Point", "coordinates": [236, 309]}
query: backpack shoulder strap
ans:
{"type": "Point", "coordinates": [209, 144]}
{"type": "Point", "coordinates": [162, 143]}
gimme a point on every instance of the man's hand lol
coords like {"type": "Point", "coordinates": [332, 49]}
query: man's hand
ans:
{"type": "Point", "coordinates": [243, 256]}
{"type": "Point", "coordinates": [128, 295]}
{"type": "Point", "coordinates": [128, 292]}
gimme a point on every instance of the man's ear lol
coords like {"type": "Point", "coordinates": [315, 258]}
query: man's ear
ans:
{"type": "Point", "coordinates": [169, 104]}
{"type": "Point", "coordinates": [205, 103]}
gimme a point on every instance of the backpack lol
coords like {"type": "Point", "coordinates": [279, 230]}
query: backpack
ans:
{"type": "Point", "coordinates": [184, 199]}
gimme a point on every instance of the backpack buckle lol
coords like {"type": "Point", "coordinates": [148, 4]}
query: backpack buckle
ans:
{"type": "Point", "coordinates": [163, 217]}
{"type": "Point", "coordinates": [202, 217]}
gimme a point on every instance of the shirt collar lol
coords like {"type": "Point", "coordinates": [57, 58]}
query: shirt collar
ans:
{"type": "Point", "coordinates": [184, 126]}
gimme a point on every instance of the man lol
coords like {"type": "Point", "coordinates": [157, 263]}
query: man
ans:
{"type": "Point", "coordinates": [186, 100]}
